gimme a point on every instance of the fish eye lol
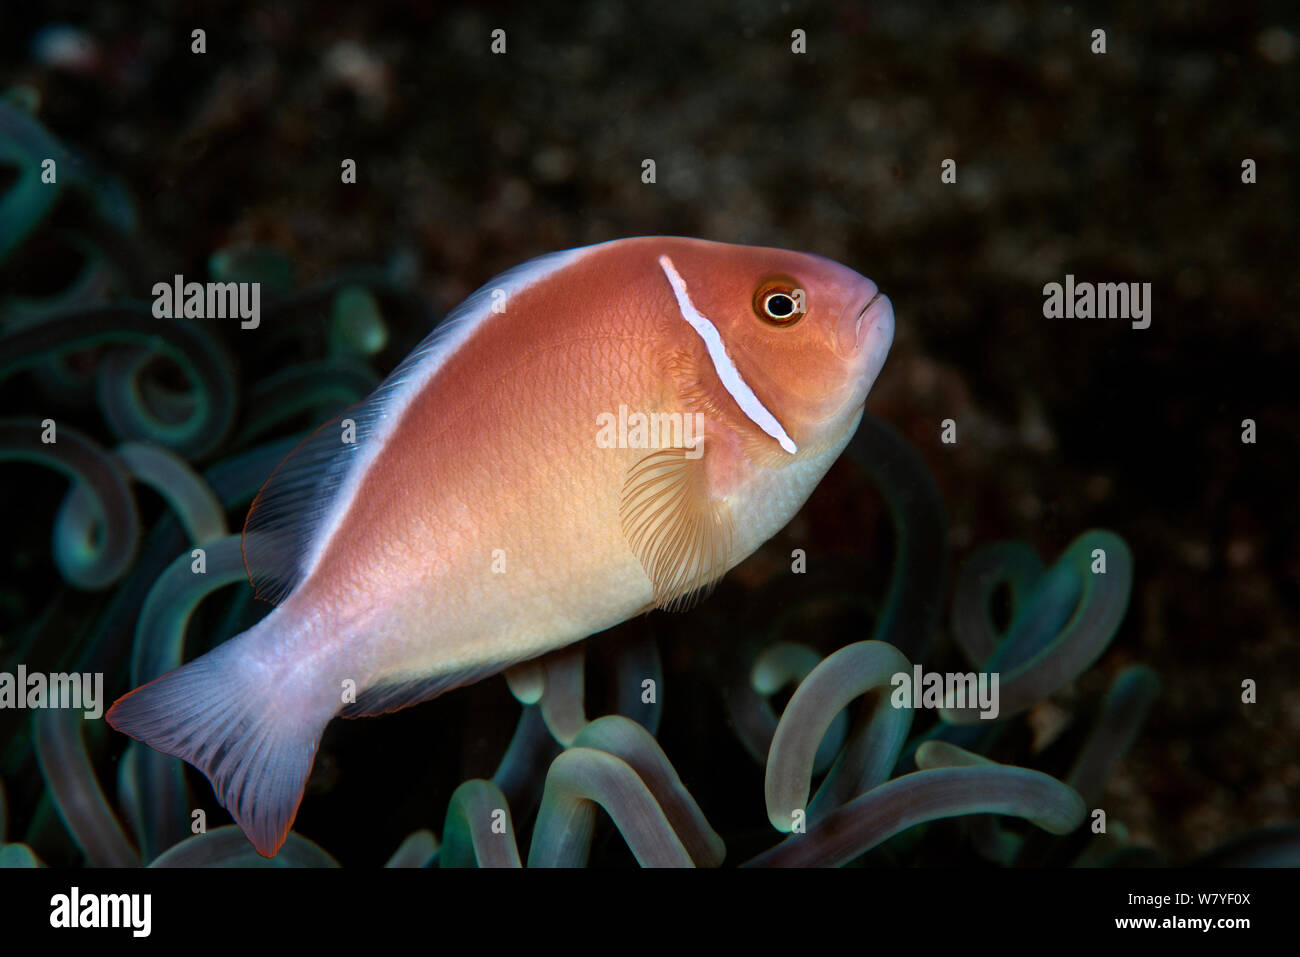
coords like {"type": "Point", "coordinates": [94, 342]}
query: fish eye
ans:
{"type": "Point", "coordinates": [779, 303]}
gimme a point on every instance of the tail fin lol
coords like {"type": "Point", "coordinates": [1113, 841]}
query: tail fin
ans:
{"type": "Point", "coordinates": [227, 716]}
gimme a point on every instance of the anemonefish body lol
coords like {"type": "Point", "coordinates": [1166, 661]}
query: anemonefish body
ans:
{"type": "Point", "coordinates": [481, 508]}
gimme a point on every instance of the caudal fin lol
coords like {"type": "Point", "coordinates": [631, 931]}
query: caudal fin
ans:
{"type": "Point", "coordinates": [225, 715]}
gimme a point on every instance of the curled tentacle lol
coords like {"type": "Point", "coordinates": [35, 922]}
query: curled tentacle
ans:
{"type": "Point", "coordinates": [830, 587]}
{"type": "Point", "coordinates": [478, 831]}
{"type": "Point", "coordinates": [1066, 624]}
{"type": "Point", "coordinates": [193, 501]}
{"type": "Point", "coordinates": [579, 780]}
{"type": "Point", "coordinates": [1127, 704]}
{"type": "Point", "coordinates": [160, 633]}
{"type": "Point", "coordinates": [18, 855]}
{"type": "Point", "coordinates": [420, 849]}
{"type": "Point", "coordinates": [357, 323]}
{"type": "Point", "coordinates": [523, 767]}
{"type": "Point", "coordinates": [234, 480]}
{"type": "Point", "coordinates": [1123, 711]}
{"type": "Point", "coordinates": [228, 847]}
{"type": "Point", "coordinates": [751, 716]}
{"type": "Point", "coordinates": [986, 833]}
{"type": "Point", "coordinates": [1013, 564]}
{"type": "Point", "coordinates": [97, 531]}
{"type": "Point", "coordinates": [24, 144]}
{"type": "Point", "coordinates": [913, 605]}
{"type": "Point", "coordinates": [208, 411]}
{"type": "Point", "coordinates": [563, 701]}
{"type": "Point", "coordinates": [75, 790]}
{"type": "Point", "coordinates": [96, 281]}
{"type": "Point", "coordinates": [873, 748]}
{"type": "Point", "coordinates": [921, 796]}
{"type": "Point", "coordinates": [626, 739]}
{"type": "Point", "coordinates": [527, 681]}
{"type": "Point", "coordinates": [774, 668]}
{"type": "Point", "coordinates": [322, 388]}
{"type": "Point", "coordinates": [941, 754]}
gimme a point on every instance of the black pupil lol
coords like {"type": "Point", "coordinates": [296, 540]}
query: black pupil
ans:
{"type": "Point", "coordinates": [780, 305]}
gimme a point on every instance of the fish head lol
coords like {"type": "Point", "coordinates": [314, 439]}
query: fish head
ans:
{"type": "Point", "coordinates": [805, 336]}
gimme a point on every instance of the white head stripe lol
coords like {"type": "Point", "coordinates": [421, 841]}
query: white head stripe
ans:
{"type": "Point", "coordinates": [722, 364]}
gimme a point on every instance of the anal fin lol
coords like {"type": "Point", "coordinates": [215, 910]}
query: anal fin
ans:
{"type": "Point", "coordinates": [398, 693]}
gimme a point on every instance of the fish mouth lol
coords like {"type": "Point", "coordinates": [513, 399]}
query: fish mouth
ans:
{"type": "Point", "coordinates": [866, 329]}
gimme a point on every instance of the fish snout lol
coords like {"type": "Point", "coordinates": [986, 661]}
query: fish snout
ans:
{"type": "Point", "coordinates": [865, 329]}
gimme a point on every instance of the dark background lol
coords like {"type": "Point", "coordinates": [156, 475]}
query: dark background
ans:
{"type": "Point", "coordinates": [1119, 167]}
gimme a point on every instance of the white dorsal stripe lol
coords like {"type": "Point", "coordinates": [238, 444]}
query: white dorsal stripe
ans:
{"type": "Point", "coordinates": [731, 378]}
{"type": "Point", "coordinates": [414, 373]}
{"type": "Point", "coordinates": [303, 504]}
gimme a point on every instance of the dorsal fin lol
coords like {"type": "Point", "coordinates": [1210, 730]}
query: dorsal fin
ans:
{"type": "Point", "coordinates": [304, 500]}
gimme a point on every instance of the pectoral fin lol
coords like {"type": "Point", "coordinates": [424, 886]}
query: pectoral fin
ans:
{"type": "Point", "coordinates": [680, 534]}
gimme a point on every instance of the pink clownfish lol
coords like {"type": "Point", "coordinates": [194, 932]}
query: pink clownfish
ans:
{"type": "Point", "coordinates": [593, 434]}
